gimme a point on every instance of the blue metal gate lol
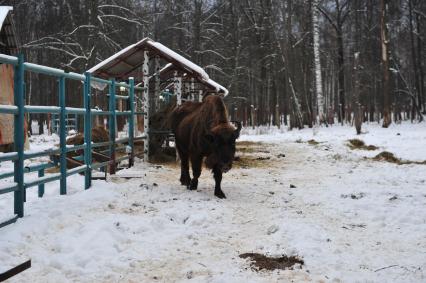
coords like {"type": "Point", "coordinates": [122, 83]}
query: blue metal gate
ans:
{"type": "Point", "coordinates": [19, 109]}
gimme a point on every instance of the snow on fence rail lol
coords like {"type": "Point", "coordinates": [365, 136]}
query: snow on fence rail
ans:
{"type": "Point", "coordinates": [19, 186]}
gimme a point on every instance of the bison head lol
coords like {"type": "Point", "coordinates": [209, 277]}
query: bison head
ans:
{"type": "Point", "coordinates": [220, 142]}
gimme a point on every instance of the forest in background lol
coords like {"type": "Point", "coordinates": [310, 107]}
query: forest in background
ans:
{"type": "Point", "coordinates": [370, 52]}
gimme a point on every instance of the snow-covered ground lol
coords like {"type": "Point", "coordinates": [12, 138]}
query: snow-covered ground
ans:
{"type": "Point", "coordinates": [350, 218]}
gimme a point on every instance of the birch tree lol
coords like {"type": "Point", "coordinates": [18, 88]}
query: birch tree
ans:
{"type": "Point", "coordinates": [317, 62]}
{"type": "Point", "coordinates": [385, 63]}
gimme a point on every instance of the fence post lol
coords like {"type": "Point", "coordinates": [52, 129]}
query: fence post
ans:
{"type": "Point", "coordinates": [192, 90]}
{"type": "Point", "coordinates": [132, 120]}
{"type": "Point", "coordinates": [145, 70]}
{"type": "Point", "coordinates": [62, 137]}
{"type": "Point", "coordinates": [156, 83]}
{"type": "Point", "coordinates": [178, 88]}
{"type": "Point", "coordinates": [111, 123]}
{"type": "Point", "coordinates": [87, 132]}
{"type": "Point", "coordinates": [19, 137]}
{"type": "Point", "coordinates": [41, 186]}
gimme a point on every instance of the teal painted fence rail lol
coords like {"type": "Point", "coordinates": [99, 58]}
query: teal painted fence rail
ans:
{"type": "Point", "coordinates": [19, 186]}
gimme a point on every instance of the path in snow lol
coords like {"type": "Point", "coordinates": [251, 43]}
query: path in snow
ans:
{"type": "Point", "coordinates": [347, 217]}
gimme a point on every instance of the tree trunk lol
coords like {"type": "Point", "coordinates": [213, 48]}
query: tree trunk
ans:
{"type": "Point", "coordinates": [341, 74]}
{"type": "Point", "coordinates": [420, 62]}
{"type": "Point", "coordinates": [356, 104]}
{"type": "Point", "coordinates": [385, 64]}
{"type": "Point", "coordinates": [414, 57]}
{"type": "Point", "coordinates": [317, 63]}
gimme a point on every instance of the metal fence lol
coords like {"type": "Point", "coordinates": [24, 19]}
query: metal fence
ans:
{"type": "Point", "coordinates": [71, 123]}
{"type": "Point", "coordinates": [19, 109]}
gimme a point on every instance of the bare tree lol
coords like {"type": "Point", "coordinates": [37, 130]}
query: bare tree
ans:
{"type": "Point", "coordinates": [385, 63]}
{"type": "Point", "coordinates": [317, 62]}
{"type": "Point", "coordinates": [341, 9]}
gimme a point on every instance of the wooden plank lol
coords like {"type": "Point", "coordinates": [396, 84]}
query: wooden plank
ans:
{"type": "Point", "coordinates": [100, 157]}
{"type": "Point", "coordinates": [72, 163]}
{"type": "Point", "coordinates": [6, 98]}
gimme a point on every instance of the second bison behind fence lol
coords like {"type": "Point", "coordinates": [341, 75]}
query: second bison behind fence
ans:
{"type": "Point", "coordinates": [202, 129]}
{"type": "Point", "coordinates": [99, 134]}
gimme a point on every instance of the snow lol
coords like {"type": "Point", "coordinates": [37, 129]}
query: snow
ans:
{"type": "Point", "coordinates": [218, 87]}
{"type": "Point", "coordinates": [152, 44]}
{"type": "Point", "coordinates": [405, 140]}
{"type": "Point", "coordinates": [115, 56]}
{"type": "Point", "coordinates": [167, 66]}
{"type": "Point", "coordinates": [7, 154]}
{"type": "Point", "coordinates": [6, 185]}
{"type": "Point", "coordinates": [350, 218]}
{"type": "Point", "coordinates": [9, 107]}
{"type": "Point", "coordinates": [4, 10]}
{"type": "Point", "coordinates": [38, 108]}
{"type": "Point", "coordinates": [188, 64]}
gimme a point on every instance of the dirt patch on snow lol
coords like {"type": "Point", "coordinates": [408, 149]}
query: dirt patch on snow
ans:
{"type": "Point", "coordinates": [359, 144]}
{"type": "Point", "coordinates": [246, 162]}
{"type": "Point", "coordinates": [263, 262]}
{"type": "Point", "coordinates": [253, 155]}
{"type": "Point", "coordinates": [252, 147]}
{"type": "Point", "coordinates": [313, 142]}
{"type": "Point", "coordinates": [387, 156]}
{"type": "Point", "coordinates": [250, 143]}
{"type": "Point", "coordinates": [390, 157]}
{"type": "Point", "coordinates": [310, 142]}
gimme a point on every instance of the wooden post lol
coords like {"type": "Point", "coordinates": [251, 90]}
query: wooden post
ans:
{"type": "Point", "coordinates": [192, 89]}
{"type": "Point", "coordinates": [157, 84]}
{"type": "Point", "coordinates": [145, 71]}
{"type": "Point", "coordinates": [178, 88]}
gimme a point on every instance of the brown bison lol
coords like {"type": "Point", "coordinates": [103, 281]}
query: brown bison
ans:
{"type": "Point", "coordinates": [201, 130]}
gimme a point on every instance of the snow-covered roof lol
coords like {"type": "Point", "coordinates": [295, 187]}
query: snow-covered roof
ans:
{"type": "Point", "coordinates": [219, 88]}
{"type": "Point", "coordinates": [4, 10]}
{"type": "Point", "coordinates": [189, 66]}
{"type": "Point", "coordinates": [125, 64]}
{"type": "Point", "coordinates": [166, 68]}
{"type": "Point", "coordinates": [8, 40]}
{"type": "Point", "coordinates": [122, 64]}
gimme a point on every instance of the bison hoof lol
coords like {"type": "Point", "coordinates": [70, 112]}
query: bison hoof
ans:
{"type": "Point", "coordinates": [193, 185]}
{"type": "Point", "coordinates": [185, 182]}
{"type": "Point", "coordinates": [219, 194]}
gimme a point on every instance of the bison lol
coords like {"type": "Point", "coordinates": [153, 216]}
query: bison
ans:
{"type": "Point", "coordinates": [202, 129]}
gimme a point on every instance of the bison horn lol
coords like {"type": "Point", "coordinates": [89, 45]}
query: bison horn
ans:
{"type": "Point", "coordinates": [239, 126]}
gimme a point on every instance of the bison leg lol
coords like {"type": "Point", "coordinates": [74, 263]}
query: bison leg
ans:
{"type": "Point", "coordinates": [185, 179]}
{"type": "Point", "coordinates": [196, 162]}
{"type": "Point", "coordinates": [217, 174]}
